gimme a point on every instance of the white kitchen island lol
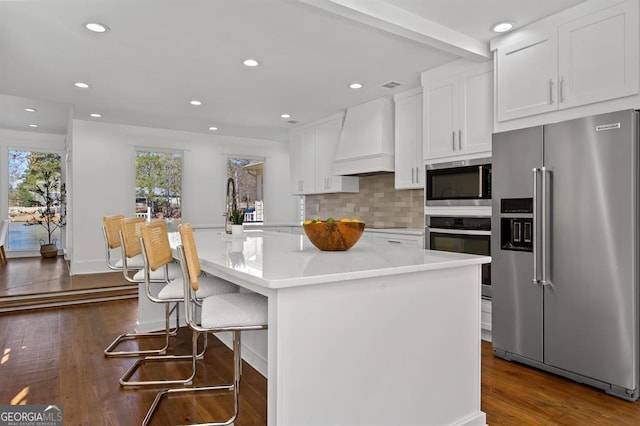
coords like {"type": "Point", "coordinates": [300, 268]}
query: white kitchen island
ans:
{"type": "Point", "coordinates": [370, 336]}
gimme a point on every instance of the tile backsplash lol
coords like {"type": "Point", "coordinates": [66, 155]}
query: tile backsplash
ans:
{"type": "Point", "coordinates": [377, 204]}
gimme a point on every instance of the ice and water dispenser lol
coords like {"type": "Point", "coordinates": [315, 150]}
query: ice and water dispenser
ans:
{"type": "Point", "coordinates": [516, 228]}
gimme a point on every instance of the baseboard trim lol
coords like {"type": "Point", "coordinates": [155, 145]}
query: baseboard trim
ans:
{"type": "Point", "coordinates": [88, 267]}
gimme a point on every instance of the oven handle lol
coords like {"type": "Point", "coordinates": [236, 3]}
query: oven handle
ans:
{"type": "Point", "coordinates": [459, 231]}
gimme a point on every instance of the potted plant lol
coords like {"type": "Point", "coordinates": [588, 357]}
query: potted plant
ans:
{"type": "Point", "coordinates": [237, 219]}
{"type": "Point", "coordinates": [50, 197]}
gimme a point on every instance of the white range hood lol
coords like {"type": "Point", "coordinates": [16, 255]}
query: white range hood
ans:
{"type": "Point", "coordinates": [367, 141]}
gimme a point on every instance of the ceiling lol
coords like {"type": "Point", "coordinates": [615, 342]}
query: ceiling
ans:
{"type": "Point", "coordinates": [160, 54]}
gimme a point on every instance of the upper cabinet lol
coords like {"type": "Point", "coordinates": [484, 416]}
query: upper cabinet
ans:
{"type": "Point", "coordinates": [408, 140]}
{"type": "Point", "coordinates": [312, 149]}
{"type": "Point", "coordinates": [527, 76]}
{"type": "Point", "coordinates": [458, 106]}
{"type": "Point", "coordinates": [578, 61]}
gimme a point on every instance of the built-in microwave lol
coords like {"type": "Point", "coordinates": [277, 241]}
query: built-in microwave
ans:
{"type": "Point", "coordinates": [459, 183]}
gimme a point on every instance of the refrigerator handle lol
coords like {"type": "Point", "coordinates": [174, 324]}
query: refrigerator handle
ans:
{"type": "Point", "coordinates": [534, 241]}
{"type": "Point", "coordinates": [543, 230]}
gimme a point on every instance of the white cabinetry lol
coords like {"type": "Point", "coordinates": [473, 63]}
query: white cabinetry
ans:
{"type": "Point", "coordinates": [312, 149]}
{"type": "Point", "coordinates": [458, 104]}
{"type": "Point", "coordinates": [394, 239]}
{"type": "Point", "coordinates": [485, 319]}
{"type": "Point", "coordinates": [527, 76]}
{"type": "Point", "coordinates": [408, 140]}
{"type": "Point", "coordinates": [302, 161]}
{"type": "Point", "coordinates": [578, 61]}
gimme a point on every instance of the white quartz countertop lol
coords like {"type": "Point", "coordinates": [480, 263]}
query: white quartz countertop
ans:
{"type": "Point", "coordinates": [280, 260]}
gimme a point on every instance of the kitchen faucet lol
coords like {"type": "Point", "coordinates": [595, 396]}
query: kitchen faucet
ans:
{"type": "Point", "coordinates": [231, 206]}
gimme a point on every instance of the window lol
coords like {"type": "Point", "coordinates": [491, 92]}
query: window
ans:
{"type": "Point", "coordinates": [247, 175]}
{"type": "Point", "coordinates": [158, 185]}
{"type": "Point", "coordinates": [28, 228]}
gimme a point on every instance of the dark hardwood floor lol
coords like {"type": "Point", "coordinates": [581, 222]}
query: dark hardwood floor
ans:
{"type": "Point", "coordinates": [55, 356]}
{"type": "Point", "coordinates": [35, 275]}
{"type": "Point", "coordinates": [27, 283]}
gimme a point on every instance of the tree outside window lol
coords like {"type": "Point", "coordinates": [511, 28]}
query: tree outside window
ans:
{"type": "Point", "coordinates": [159, 185]}
{"type": "Point", "coordinates": [26, 171]}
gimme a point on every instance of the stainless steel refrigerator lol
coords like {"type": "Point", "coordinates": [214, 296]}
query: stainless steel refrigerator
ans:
{"type": "Point", "coordinates": [565, 249]}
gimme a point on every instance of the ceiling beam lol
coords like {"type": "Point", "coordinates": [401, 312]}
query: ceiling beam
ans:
{"type": "Point", "coordinates": [387, 17]}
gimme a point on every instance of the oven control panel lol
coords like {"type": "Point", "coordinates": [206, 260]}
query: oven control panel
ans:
{"type": "Point", "coordinates": [460, 222]}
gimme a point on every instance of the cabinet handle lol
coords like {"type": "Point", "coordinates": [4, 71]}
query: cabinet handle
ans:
{"type": "Point", "coordinates": [394, 242]}
{"type": "Point", "coordinates": [453, 140]}
{"type": "Point", "coordinates": [551, 92]}
{"type": "Point", "coordinates": [460, 139]}
{"type": "Point", "coordinates": [412, 175]}
{"type": "Point", "coordinates": [561, 90]}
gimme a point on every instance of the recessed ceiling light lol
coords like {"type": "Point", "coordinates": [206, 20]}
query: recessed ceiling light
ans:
{"type": "Point", "coordinates": [33, 125]}
{"type": "Point", "coordinates": [81, 85]}
{"type": "Point", "coordinates": [30, 109]}
{"type": "Point", "coordinates": [285, 115]}
{"type": "Point", "coordinates": [213, 128]}
{"type": "Point", "coordinates": [95, 115]}
{"type": "Point", "coordinates": [251, 62]}
{"type": "Point", "coordinates": [96, 27]}
{"type": "Point", "coordinates": [355, 86]}
{"type": "Point", "coordinates": [195, 102]}
{"type": "Point", "coordinates": [502, 27]}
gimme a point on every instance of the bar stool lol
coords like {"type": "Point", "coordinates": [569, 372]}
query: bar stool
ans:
{"type": "Point", "coordinates": [111, 232]}
{"type": "Point", "coordinates": [132, 254]}
{"type": "Point", "coordinates": [156, 253]}
{"type": "Point", "coordinates": [233, 312]}
{"type": "Point", "coordinates": [129, 237]}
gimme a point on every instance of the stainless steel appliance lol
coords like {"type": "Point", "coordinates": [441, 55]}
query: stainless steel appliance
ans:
{"type": "Point", "coordinates": [459, 183]}
{"type": "Point", "coordinates": [565, 250]}
{"type": "Point", "coordinates": [462, 234]}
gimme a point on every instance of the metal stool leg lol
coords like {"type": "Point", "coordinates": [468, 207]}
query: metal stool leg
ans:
{"type": "Point", "coordinates": [125, 379]}
{"type": "Point", "coordinates": [235, 387]}
{"type": "Point", "coordinates": [166, 333]}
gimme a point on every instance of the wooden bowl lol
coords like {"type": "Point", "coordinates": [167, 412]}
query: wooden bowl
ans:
{"type": "Point", "coordinates": [334, 236]}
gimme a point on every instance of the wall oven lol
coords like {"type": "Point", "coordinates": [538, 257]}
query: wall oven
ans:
{"type": "Point", "coordinates": [459, 183]}
{"type": "Point", "coordinates": [462, 234]}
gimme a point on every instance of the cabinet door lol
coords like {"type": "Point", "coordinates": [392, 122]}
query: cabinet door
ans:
{"type": "Point", "coordinates": [476, 115]}
{"type": "Point", "coordinates": [408, 147]}
{"type": "Point", "coordinates": [308, 163]}
{"type": "Point", "coordinates": [441, 104]}
{"type": "Point", "coordinates": [296, 158]}
{"type": "Point", "coordinates": [599, 56]}
{"type": "Point", "coordinates": [327, 138]}
{"type": "Point", "coordinates": [526, 77]}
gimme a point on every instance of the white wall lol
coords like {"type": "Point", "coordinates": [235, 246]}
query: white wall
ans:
{"type": "Point", "coordinates": [102, 167]}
